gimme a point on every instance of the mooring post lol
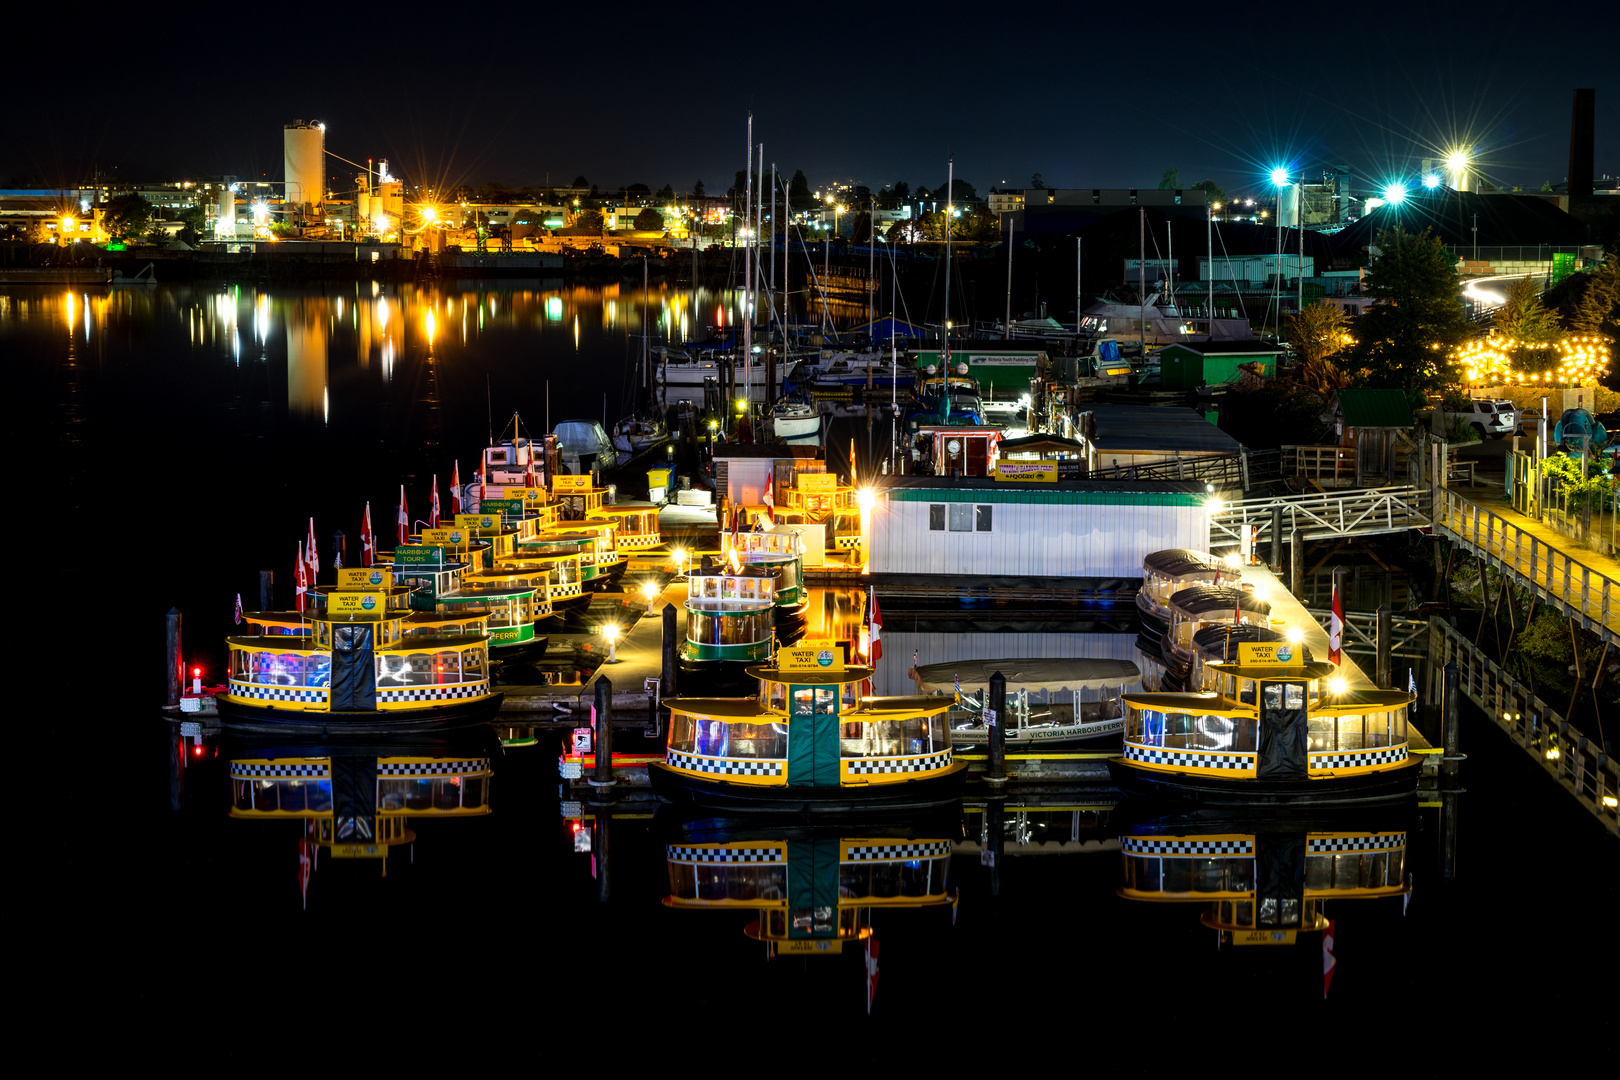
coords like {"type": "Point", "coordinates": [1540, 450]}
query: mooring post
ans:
{"type": "Point", "coordinates": [604, 732]}
{"type": "Point", "coordinates": [600, 843]}
{"type": "Point", "coordinates": [1450, 722]}
{"type": "Point", "coordinates": [340, 557]}
{"type": "Point", "coordinates": [1296, 562]}
{"type": "Point", "coordinates": [995, 718]}
{"type": "Point", "coordinates": [666, 677]}
{"type": "Point", "coordinates": [1448, 835]}
{"type": "Point", "coordinates": [172, 653]}
{"type": "Point", "coordinates": [995, 841]}
{"type": "Point", "coordinates": [267, 590]}
{"type": "Point", "coordinates": [1386, 646]}
{"type": "Point", "coordinates": [1276, 540]}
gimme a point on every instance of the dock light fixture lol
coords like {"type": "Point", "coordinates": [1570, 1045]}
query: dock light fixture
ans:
{"type": "Point", "coordinates": [429, 214]}
{"type": "Point", "coordinates": [649, 592]}
{"type": "Point", "coordinates": [1336, 684]}
{"type": "Point", "coordinates": [1295, 635]}
{"type": "Point", "coordinates": [678, 557]}
{"type": "Point", "coordinates": [1234, 560]}
{"type": "Point", "coordinates": [67, 224]}
{"type": "Point", "coordinates": [866, 498]}
{"type": "Point", "coordinates": [1552, 753]}
{"type": "Point", "coordinates": [742, 405]}
{"type": "Point", "coordinates": [611, 633]}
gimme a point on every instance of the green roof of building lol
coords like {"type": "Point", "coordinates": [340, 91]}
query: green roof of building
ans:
{"type": "Point", "coordinates": [1375, 409]}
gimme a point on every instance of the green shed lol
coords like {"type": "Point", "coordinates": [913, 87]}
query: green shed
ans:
{"type": "Point", "coordinates": [1189, 365]}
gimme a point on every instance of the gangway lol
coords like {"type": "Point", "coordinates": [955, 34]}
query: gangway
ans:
{"type": "Point", "coordinates": [1321, 516]}
{"type": "Point", "coordinates": [1410, 636]}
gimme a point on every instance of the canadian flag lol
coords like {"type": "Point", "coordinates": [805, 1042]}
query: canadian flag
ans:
{"type": "Point", "coordinates": [876, 619]}
{"type": "Point", "coordinates": [312, 553]}
{"type": "Point", "coordinates": [871, 970]}
{"type": "Point", "coordinates": [1329, 961]}
{"type": "Point", "coordinates": [1335, 627]}
{"type": "Point", "coordinates": [433, 507]}
{"type": "Point", "coordinates": [306, 864]}
{"type": "Point", "coordinates": [455, 488]}
{"type": "Point", "coordinates": [769, 496]}
{"type": "Point", "coordinates": [238, 609]}
{"type": "Point", "coordinates": [368, 539]}
{"type": "Point", "coordinates": [300, 582]}
{"type": "Point", "coordinates": [402, 528]}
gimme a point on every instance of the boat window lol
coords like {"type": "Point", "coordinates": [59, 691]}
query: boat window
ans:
{"type": "Point", "coordinates": [936, 517]}
{"type": "Point", "coordinates": [1349, 733]}
{"type": "Point", "coordinates": [1320, 732]}
{"type": "Point", "coordinates": [850, 695]}
{"type": "Point", "coordinates": [1377, 729]}
{"type": "Point", "coordinates": [1293, 695]}
{"type": "Point", "coordinates": [1397, 725]}
{"type": "Point", "coordinates": [472, 664]}
{"type": "Point", "coordinates": [758, 741]}
{"type": "Point", "coordinates": [680, 732]}
{"type": "Point", "coordinates": [1271, 695]}
{"type": "Point", "coordinates": [447, 666]}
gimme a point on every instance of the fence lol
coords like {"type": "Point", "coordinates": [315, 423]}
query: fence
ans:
{"type": "Point", "coordinates": [1224, 470]}
{"type": "Point", "coordinates": [1578, 590]}
{"type": "Point", "coordinates": [1368, 512]}
{"type": "Point", "coordinates": [1409, 637]}
{"type": "Point", "coordinates": [1577, 763]}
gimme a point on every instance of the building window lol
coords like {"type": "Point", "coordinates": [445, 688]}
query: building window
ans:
{"type": "Point", "coordinates": [981, 518]}
{"type": "Point", "coordinates": [961, 517]}
{"type": "Point", "coordinates": [936, 517]}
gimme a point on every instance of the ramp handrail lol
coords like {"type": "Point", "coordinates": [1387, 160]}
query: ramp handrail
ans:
{"type": "Point", "coordinates": [1364, 512]}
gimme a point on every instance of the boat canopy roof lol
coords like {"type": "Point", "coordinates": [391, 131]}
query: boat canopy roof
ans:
{"type": "Point", "coordinates": [1055, 673]}
{"type": "Point", "coordinates": [1199, 599]}
{"type": "Point", "coordinates": [1221, 642]}
{"type": "Point", "coordinates": [416, 643]}
{"type": "Point", "coordinates": [850, 674]}
{"type": "Point", "coordinates": [1179, 562]}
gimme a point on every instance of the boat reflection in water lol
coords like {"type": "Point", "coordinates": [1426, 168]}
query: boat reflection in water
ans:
{"type": "Point", "coordinates": [813, 889]}
{"type": "Point", "coordinates": [356, 800]}
{"type": "Point", "coordinates": [1263, 878]}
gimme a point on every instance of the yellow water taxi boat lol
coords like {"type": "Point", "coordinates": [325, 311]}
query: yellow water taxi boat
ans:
{"type": "Point", "coordinates": [1276, 729]}
{"type": "Point", "coordinates": [809, 741]}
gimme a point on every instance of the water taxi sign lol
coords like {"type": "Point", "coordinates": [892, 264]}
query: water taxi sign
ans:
{"type": "Point", "coordinates": [1271, 654]}
{"type": "Point", "coordinates": [365, 577]}
{"type": "Point", "coordinates": [474, 523]}
{"type": "Point", "coordinates": [571, 483]}
{"type": "Point", "coordinates": [1263, 937]}
{"type": "Point", "coordinates": [356, 603]}
{"type": "Point", "coordinates": [810, 656]}
{"type": "Point", "coordinates": [824, 483]}
{"type": "Point", "coordinates": [1027, 470]}
{"type": "Point", "coordinates": [419, 555]}
{"type": "Point", "coordinates": [532, 495]}
{"type": "Point", "coordinates": [450, 538]}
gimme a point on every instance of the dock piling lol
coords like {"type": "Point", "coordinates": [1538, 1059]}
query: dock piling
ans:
{"type": "Point", "coordinates": [267, 590]}
{"type": "Point", "coordinates": [995, 713]}
{"type": "Point", "coordinates": [1296, 562]}
{"type": "Point", "coordinates": [1276, 539]}
{"type": "Point", "coordinates": [1450, 722]}
{"type": "Point", "coordinates": [603, 776]}
{"type": "Point", "coordinates": [995, 842]}
{"type": "Point", "coordinates": [176, 661]}
{"type": "Point", "coordinates": [1386, 643]}
{"type": "Point", "coordinates": [667, 676]}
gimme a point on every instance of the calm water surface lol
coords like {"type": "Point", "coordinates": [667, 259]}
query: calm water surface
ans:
{"type": "Point", "coordinates": [181, 438]}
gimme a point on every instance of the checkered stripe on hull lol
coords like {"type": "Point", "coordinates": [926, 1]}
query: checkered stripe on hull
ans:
{"type": "Point", "coordinates": [241, 770]}
{"type": "Point", "coordinates": [729, 766]}
{"type": "Point", "coordinates": [1326, 844]}
{"type": "Point", "coordinates": [431, 768]}
{"type": "Point", "coordinates": [724, 855]}
{"type": "Point", "coordinates": [434, 693]}
{"type": "Point", "coordinates": [1192, 759]}
{"type": "Point", "coordinates": [254, 692]}
{"type": "Point", "coordinates": [1138, 845]}
{"type": "Point", "coordinates": [889, 852]}
{"type": "Point", "coordinates": [928, 763]}
{"type": "Point", "coordinates": [1357, 758]}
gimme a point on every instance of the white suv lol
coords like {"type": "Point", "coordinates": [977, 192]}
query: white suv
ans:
{"type": "Point", "coordinates": [1494, 418]}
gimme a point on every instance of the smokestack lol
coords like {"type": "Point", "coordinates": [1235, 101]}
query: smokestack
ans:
{"type": "Point", "coordinates": [1582, 128]}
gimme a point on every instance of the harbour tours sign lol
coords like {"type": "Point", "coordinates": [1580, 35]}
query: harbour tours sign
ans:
{"type": "Point", "coordinates": [419, 555]}
{"type": "Point", "coordinates": [1027, 470]}
{"type": "Point", "coordinates": [497, 507]}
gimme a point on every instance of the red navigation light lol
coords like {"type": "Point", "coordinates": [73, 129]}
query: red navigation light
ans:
{"type": "Point", "coordinates": [198, 751]}
{"type": "Point", "coordinates": [196, 672]}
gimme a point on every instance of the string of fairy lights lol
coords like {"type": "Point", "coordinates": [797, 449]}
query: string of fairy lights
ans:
{"type": "Point", "coordinates": [1575, 360]}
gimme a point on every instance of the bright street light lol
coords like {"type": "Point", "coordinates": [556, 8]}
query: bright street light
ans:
{"type": "Point", "coordinates": [1431, 181]}
{"type": "Point", "coordinates": [1279, 177]}
{"type": "Point", "coordinates": [1394, 193]}
{"type": "Point", "coordinates": [1456, 161]}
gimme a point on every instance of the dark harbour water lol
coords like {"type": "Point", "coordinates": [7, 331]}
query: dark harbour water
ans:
{"type": "Point", "coordinates": [182, 439]}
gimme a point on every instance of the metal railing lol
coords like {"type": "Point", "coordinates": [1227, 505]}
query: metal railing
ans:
{"type": "Point", "coordinates": [1333, 514]}
{"type": "Point", "coordinates": [1577, 763]}
{"type": "Point", "coordinates": [1410, 636]}
{"type": "Point", "coordinates": [1577, 590]}
{"type": "Point", "coordinates": [1230, 470]}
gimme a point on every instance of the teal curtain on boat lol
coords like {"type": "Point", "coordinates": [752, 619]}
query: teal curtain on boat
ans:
{"type": "Point", "coordinates": [813, 887]}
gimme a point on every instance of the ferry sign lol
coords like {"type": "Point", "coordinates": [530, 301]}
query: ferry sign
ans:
{"type": "Point", "coordinates": [366, 577]}
{"type": "Point", "coordinates": [419, 555]}
{"type": "Point", "coordinates": [1271, 654]}
{"type": "Point", "coordinates": [810, 656]}
{"type": "Point", "coordinates": [356, 603]}
{"type": "Point", "coordinates": [567, 482]}
{"type": "Point", "coordinates": [1027, 470]}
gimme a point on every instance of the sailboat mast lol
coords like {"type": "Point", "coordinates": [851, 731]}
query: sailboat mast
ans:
{"type": "Point", "coordinates": [1141, 277]}
{"type": "Point", "coordinates": [950, 182]}
{"type": "Point", "coordinates": [1079, 305]}
{"type": "Point", "coordinates": [1209, 265]}
{"type": "Point", "coordinates": [1006, 334]}
{"type": "Point", "coordinates": [748, 251]}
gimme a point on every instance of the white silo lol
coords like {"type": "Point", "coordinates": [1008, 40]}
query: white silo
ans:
{"type": "Point", "coordinates": [225, 211]}
{"type": "Point", "coordinates": [304, 146]}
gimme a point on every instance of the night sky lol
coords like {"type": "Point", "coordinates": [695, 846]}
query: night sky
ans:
{"type": "Point", "coordinates": [624, 93]}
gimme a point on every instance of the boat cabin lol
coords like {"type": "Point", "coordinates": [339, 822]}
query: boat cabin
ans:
{"type": "Point", "coordinates": [636, 525]}
{"type": "Point", "coordinates": [782, 552]}
{"type": "Point", "coordinates": [1219, 645]}
{"type": "Point", "coordinates": [730, 614]}
{"type": "Point", "coordinates": [273, 623]}
{"type": "Point", "coordinates": [577, 497]}
{"type": "Point", "coordinates": [1049, 700]}
{"type": "Point", "coordinates": [562, 557]}
{"type": "Point", "coordinates": [1165, 573]}
{"type": "Point", "coordinates": [509, 608]}
{"type": "Point", "coordinates": [1266, 886]}
{"type": "Point", "coordinates": [1203, 606]}
{"type": "Point", "coordinates": [952, 450]}
{"type": "Point", "coordinates": [815, 893]}
{"type": "Point", "coordinates": [513, 462]}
